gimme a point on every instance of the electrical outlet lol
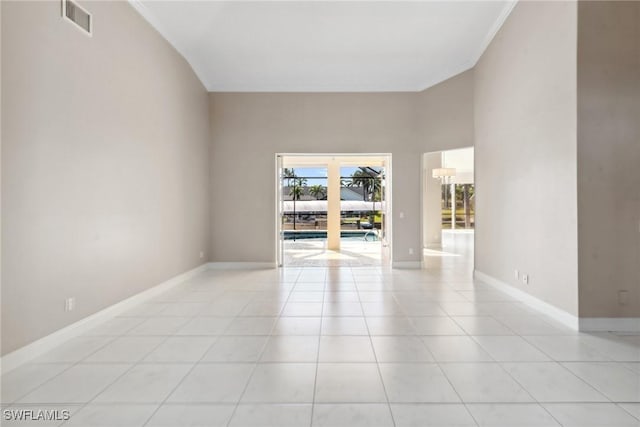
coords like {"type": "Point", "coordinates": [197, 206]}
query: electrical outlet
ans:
{"type": "Point", "coordinates": [516, 273]}
{"type": "Point", "coordinates": [410, 251]}
{"type": "Point", "coordinates": [201, 255]}
{"type": "Point", "coordinates": [525, 279]}
{"type": "Point", "coordinates": [70, 304]}
{"type": "Point", "coordinates": [401, 215]}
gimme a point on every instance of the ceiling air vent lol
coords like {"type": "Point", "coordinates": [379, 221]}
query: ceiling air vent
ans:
{"type": "Point", "coordinates": [79, 16]}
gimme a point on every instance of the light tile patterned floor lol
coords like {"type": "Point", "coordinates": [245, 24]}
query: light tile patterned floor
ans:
{"type": "Point", "coordinates": [348, 346]}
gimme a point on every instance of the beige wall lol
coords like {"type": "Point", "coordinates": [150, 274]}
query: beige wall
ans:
{"type": "Point", "coordinates": [105, 168]}
{"type": "Point", "coordinates": [431, 202]}
{"type": "Point", "coordinates": [248, 129]}
{"type": "Point", "coordinates": [525, 153]}
{"type": "Point", "coordinates": [609, 157]}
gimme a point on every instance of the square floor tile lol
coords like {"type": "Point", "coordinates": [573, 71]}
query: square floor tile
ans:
{"type": "Point", "coordinates": [205, 326]}
{"type": "Point", "coordinates": [572, 348]}
{"type": "Point", "coordinates": [298, 326]}
{"type": "Point", "coordinates": [167, 325]}
{"type": "Point", "coordinates": [125, 349]}
{"type": "Point", "coordinates": [251, 326]}
{"type": "Point", "coordinates": [344, 326]}
{"type": "Point", "coordinates": [352, 415]}
{"type": "Point", "coordinates": [511, 415]}
{"type": "Point", "coordinates": [382, 309]}
{"type": "Point", "coordinates": [436, 325]}
{"type": "Point", "coordinates": [482, 325]}
{"type": "Point", "coordinates": [116, 326]}
{"type": "Point", "coordinates": [614, 347]}
{"type": "Point", "coordinates": [346, 349]}
{"type": "Point", "coordinates": [614, 380]}
{"type": "Point", "coordinates": [281, 383]}
{"type": "Point", "coordinates": [144, 383]}
{"type": "Point", "coordinates": [632, 408]}
{"type": "Point", "coordinates": [333, 308]}
{"type": "Point", "coordinates": [291, 349]}
{"type": "Point", "coordinates": [213, 383]}
{"type": "Point", "coordinates": [236, 349]}
{"type": "Point", "coordinates": [591, 415]}
{"type": "Point", "coordinates": [422, 308]}
{"type": "Point", "coordinates": [195, 415]}
{"type": "Point", "coordinates": [22, 380]}
{"type": "Point", "coordinates": [78, 384]}
{"type": "Point", "coordinates": [183, 309]}
{"type": "Point", "coordinates": [510, 349]}
{"type": "Point", "coordinates": [94, 415]}
{"type": "Point", "coordinates": [400, 349]}
{"type": "Point", "coordinates": [224, 308]}
{"type": "Point", "coordinates": [262, 308]}
{"type": "Point", "coordinates": [550, 382]}
{"type": "Point", "coordinates": [530, 325]}
{"type": "Point", "coordinates": [349, 382]}
{"type": "Point", "coordinates": [456, 349]}
{"type": "Point", "coordinates": [390, 325]}
{"type": "Point", "coordinates": [181, 350]}
{"type": "Point", "coordinates": [74, 350]}
{"type": "Point", "coordinates": [344, 296]}
{"type": "Point", "coordinates": [304, 296]}
{"type": "Point", "coordinates": [431, 415]}
{"type": "Point", "coordinates": [302, 309]}
{"type": "Point", "coordinates": [484, 382]}
{"type": "Point", "coordinates": [416, 382]}
{"type": "Point", "coordinates": [270, 415]}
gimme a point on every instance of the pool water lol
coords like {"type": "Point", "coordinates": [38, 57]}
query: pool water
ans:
{"type": "Point", "coordinates": [368, 235]}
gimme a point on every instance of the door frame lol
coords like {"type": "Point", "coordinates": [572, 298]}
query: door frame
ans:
{"type": "Point", "coordinates": [388, 189]}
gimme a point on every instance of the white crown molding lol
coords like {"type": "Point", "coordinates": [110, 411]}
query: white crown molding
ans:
{"type": "Point", "coordinates": [504, 14]}
{"type": "Point", "coordinates": [544, 307]}
{"type": "Point", "coordinates": [29, 352]}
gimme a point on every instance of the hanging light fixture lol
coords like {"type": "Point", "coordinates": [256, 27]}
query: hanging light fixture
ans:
{"type": "Point", "coordinates": [443, 174]}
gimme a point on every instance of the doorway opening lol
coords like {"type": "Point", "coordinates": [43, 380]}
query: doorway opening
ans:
{"type": "Point", "coordinates": [448, 209]}
{"type": "Point", "coordinates": [332, 210]}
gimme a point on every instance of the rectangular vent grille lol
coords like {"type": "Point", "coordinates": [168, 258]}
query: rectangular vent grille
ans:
{"type": "Point", "coordinates": [78, 15]}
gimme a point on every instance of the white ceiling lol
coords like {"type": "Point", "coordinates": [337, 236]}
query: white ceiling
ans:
{"type": "Point", "coordinates": [326, 46]}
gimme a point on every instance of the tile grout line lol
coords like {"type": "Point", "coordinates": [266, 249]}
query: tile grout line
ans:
{"type": "Point", "coordinates": [315, 379]}
{"type": "Point", "coordinates": [384, 387]}
{"type": "Point", "coordinates": [255, 367]}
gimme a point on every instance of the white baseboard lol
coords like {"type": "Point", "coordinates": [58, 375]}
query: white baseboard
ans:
{"type": "Point", "coordinates": [544, 307]}
{"type": "Point", "coordinates": [240, 265]}
{"type": "Point", "coordinates": [406, 264]}
{"type": "Point", "coordinates": [29, 352]}
{"type": "Point", "coordinates": [610, 324]}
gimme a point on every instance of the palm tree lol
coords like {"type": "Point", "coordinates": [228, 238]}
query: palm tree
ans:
{"type": "Point", "coordinates": [360, 178]}
{"type": "Point", "coordinates": [296, 192]}
{"type": "Point", "coordinates": [288, 174]}
{"type": "Point", "coordinates": [317, 191]}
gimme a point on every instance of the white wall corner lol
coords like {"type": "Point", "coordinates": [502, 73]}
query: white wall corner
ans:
{"type": "Point", "coordinates": [37, 348]}
{"type": "Point", "coordinates": [543, 307]}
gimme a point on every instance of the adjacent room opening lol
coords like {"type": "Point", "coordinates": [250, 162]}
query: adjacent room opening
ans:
{"type": "Point", "coordinates": [448, 209]}
{"type": "Point", "coordinates": [332, 209]}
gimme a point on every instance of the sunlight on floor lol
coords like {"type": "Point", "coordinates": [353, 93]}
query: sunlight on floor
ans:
{"type": "Point", "coordinates": [314, 252]}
